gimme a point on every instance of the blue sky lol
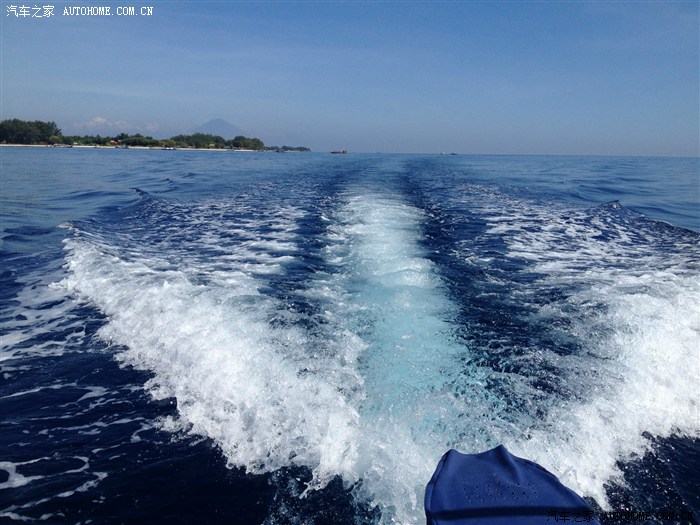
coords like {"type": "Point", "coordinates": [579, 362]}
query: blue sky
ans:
{"type": "Point", "coordinates": [607, 78]}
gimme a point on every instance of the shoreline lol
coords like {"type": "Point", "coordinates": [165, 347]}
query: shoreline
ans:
{"type": "Point", "coordinates": [83, 146]}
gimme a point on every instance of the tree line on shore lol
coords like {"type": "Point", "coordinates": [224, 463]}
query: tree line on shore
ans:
{"type": "Point", "coordinates": [16, 131]}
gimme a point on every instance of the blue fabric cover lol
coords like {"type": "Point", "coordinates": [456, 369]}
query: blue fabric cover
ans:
{"type": "Point", "coordinates": [497, 488]}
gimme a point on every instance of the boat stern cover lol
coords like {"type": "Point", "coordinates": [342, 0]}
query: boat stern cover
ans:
{"type": "Point", "coordinates": [497, 488]}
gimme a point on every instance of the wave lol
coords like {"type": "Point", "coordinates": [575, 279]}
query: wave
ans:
{"type": "Point", "coordinates": [613, 293]}
{"type": "Point", "coordinates": [376, 378]}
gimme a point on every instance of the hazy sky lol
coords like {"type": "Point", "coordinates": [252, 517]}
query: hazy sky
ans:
{"type": "Point", "coordinates": [619, 78]}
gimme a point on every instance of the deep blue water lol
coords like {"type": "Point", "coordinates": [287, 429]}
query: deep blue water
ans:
{"type": "Point", "coordinates": [208, 337]}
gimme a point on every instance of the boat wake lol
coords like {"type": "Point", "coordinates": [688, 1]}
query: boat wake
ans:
{"type": "Point", "coordinates": [365, 368]}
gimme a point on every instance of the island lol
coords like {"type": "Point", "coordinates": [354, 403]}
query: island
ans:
{"type": "Point", "coordinates": [23, 132]}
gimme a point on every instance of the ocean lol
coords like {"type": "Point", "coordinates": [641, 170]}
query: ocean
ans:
{"type": "Point", "coordinates": [260, 338]}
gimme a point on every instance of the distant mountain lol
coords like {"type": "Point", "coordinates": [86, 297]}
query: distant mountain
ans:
{"type": "Point", "coordinates": [220, 127]}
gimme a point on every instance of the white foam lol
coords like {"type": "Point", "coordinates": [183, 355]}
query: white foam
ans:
{"type": "Point", "coordinates": [211, 346]}
{"type": "Point", "coordinates": [41, 311]}
{"type": "Point", "coordinates": [651, 386]}
{"type": "Point", "coordinates": [381, 387]}
{"type": "Point", "coordinates": [386, 291]}
{"type": "Point", "coordinates": [364, 395]}
{"type": "Point", "coordinates": [636, 314]}
{"type": "Point", "coordinates": [15, 479]}
{"type": "Point", "coordinates": [420, 393]}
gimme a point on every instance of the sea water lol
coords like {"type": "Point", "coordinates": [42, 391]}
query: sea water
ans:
{"type": "Point", "coordinates": [207, 337]}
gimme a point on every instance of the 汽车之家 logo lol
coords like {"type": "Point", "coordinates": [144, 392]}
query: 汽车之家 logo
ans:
{"type": "Point", "coordinates": [25, 11]}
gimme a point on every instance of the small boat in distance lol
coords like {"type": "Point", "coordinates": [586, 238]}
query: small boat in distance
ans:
{"type": "Point", "coordinates": [340, 152]}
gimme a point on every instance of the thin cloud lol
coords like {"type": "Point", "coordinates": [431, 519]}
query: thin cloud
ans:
{"type": "Point", "coordinates": [104, 126]}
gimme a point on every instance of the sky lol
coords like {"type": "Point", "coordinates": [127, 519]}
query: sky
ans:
{"type": "Point", "coordinates": [558, 77]}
